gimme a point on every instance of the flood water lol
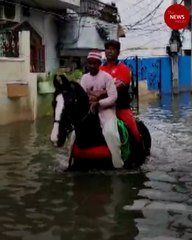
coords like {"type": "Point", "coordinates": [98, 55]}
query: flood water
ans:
{"type": "Point", "coordinates": [39, 202]}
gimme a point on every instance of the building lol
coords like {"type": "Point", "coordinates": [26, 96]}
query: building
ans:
{"type": "Point", "coordinates": [61, 31]}
{"type": "Point", "coordinates": [28, 36]}
{"type": "Point", "coordinates": [187, 34]}
{"type": "Point", "coordinates": [38, 37]}
{"type": "Point", "coordinates": [39, 17]}
{"type": "Point", "coordinates": [146, 31]}
{"type": "Point", "coordinates": [90, 27]}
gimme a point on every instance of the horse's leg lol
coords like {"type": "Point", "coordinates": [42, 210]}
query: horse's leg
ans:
{"type": "Point", "coordinates": [70, 162]}
{"type": "Point", "coordinates": [69, 150]}
{"type": "Point", "coordinates": [80, 164]}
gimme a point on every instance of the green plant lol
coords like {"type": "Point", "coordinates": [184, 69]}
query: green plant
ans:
{"type": "Point", "coordinates": [74, 75]}
{"type": "Point", "coordinates": [40, 78]}
{"type": "Point", "coordinates": [45, 83]}
{"type": "Point", "coordinates": [46, 78]}
{"type": "Point", "coordinates": [50, 76]}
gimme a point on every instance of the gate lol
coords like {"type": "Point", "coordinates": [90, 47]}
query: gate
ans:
{"type": "Point", "coordinates": [148, 69]}
{"type": "Point", "coordinates": [157, 72]}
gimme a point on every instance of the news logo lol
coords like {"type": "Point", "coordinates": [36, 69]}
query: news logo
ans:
{"type": "Point", "coordinates": [177, 16]}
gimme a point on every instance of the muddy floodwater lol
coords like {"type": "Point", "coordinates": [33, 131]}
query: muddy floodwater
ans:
{"type": "Point", "coordinates": [39, 202]}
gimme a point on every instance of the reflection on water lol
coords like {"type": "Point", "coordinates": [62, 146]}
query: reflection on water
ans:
{"type": "Point", "coordinates": [37, 202]}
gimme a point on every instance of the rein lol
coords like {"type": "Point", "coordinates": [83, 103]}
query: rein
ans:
{"type": "Point", "coordinates": [86, 115]}
{"type": "Point", "coordinates": [71, 102]}
{"type": "Point", "coordinates": [81, 120]}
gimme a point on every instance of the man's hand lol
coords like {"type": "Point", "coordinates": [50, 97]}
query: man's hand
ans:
{"type": "Point", "coordinates": [92, 99]}
{"type": "Point", "coordinates": [96, 95]}
{"type": "Point", "coordinates": [94, 107]}
{"type": "Point", "coordinates": [119, 84]}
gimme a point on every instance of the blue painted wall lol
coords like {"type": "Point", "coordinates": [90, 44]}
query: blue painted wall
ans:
{"type": "Point", "coordinates": [184, 73]}
{"type": "Point", "coordinates": [166, 75]}
{"type": "Point", "coordinates": [157, 72]}
{"type": "Point", "coordinates": [149, 69]}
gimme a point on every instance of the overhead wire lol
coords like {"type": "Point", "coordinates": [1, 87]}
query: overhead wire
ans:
{"type": "Point", "coordinates": [146, 26]}
{"type": "Point", "coordinates": [140, 27]}
{"type": "Point", "coordinates": [149, 14]}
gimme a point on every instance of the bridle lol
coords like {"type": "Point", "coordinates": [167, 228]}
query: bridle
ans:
{"type": "Point", "coordinates": [71, 100]}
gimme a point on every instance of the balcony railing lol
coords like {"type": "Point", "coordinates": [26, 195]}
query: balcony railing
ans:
{"type": "Point", "coordinates": [9, 44]}
{"type": "Point", "coordinates": [105, 12]}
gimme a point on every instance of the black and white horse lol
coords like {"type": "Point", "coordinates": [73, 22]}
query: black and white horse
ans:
{"type": "Point", "coordinates": [72, 111]}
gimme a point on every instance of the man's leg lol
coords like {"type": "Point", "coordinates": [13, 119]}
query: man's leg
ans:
{"type": "Point", "coordinates": [127, 117]}
{"type": "Point", "coordinates": [112, 138]}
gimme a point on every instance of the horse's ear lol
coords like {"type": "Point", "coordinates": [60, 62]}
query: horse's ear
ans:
{"type": "Point", "coordinates": [61, 82]}
{"type": "Point", "coordinates": [72, 84]}
{"type": "Point", "coordinates": [65, 81]}
{"type": "Point", "coordinates": [57, 82]}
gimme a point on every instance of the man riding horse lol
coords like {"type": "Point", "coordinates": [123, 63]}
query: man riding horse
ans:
{"type": "Point", "coordinates": [106, 88]}
{"type": "Point", "coordinates": [122, 76]}
{"type": "Point", "coordinates": [97, 80]}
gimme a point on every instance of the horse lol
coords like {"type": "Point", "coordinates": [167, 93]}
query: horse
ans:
{"type": "Point", "coordinates": [72, 112]}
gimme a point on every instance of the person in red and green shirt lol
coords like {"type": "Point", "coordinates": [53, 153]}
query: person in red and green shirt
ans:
{"type": "Point", "coordinates": [122, 76]}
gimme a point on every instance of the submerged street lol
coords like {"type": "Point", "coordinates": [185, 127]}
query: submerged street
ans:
{"type": "Point", "coordinates": [38, 201]}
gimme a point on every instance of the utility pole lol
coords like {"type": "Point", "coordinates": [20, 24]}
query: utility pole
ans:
{"type": "Point", "coordinates": [174, 61]}
{"type": "Point", "coordinates": [175, 47]}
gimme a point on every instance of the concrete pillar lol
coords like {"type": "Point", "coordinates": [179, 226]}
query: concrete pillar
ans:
{"type": "Point", "coordinates": [30, 78]}
{"type": "Point", "coordinates": [24, 49]}
{"type": "Point", "coordinates": [174, 65]}
{"type": "Point", "coordinates": [175, 73]}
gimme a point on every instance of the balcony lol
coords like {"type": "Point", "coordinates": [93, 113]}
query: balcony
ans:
{"type": "Point", "coordinates": [102, 11]}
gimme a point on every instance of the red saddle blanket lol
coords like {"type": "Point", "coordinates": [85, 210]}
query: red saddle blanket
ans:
{"type": "Point", "coordinates": [93, 152]}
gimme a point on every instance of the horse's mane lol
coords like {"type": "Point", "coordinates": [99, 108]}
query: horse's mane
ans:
{"type": "Point", "coordinates": [78, 105]}
{"type": "Point", "coordinates": [63, 85]}
{"type": "Point", "coordinates": [80, 92]}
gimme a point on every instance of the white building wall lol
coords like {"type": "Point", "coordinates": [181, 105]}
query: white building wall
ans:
{"type": "Point", "coordinates": [16, 70]}
{"type": "Point", "coordinates": [51, 39]}
{"type": "Point", "coordinates": [45, 25]}
{"type": "Point", "coordinates": [81, 33]}
{"type": "Point", "coordinates": [187, 40]}
{"type": "Point", "coordinates": [142, 52]}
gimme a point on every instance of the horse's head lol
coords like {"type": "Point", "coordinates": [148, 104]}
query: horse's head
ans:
{"type": "Point", "coordinates": [70, 103]}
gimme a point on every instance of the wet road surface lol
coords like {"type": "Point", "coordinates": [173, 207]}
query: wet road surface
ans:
{"type": "Point", "coordinates": [39, 202]}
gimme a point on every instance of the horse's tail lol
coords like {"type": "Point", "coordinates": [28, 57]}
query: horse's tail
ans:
{"type": "Point", "coordinates": [145, 135]}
